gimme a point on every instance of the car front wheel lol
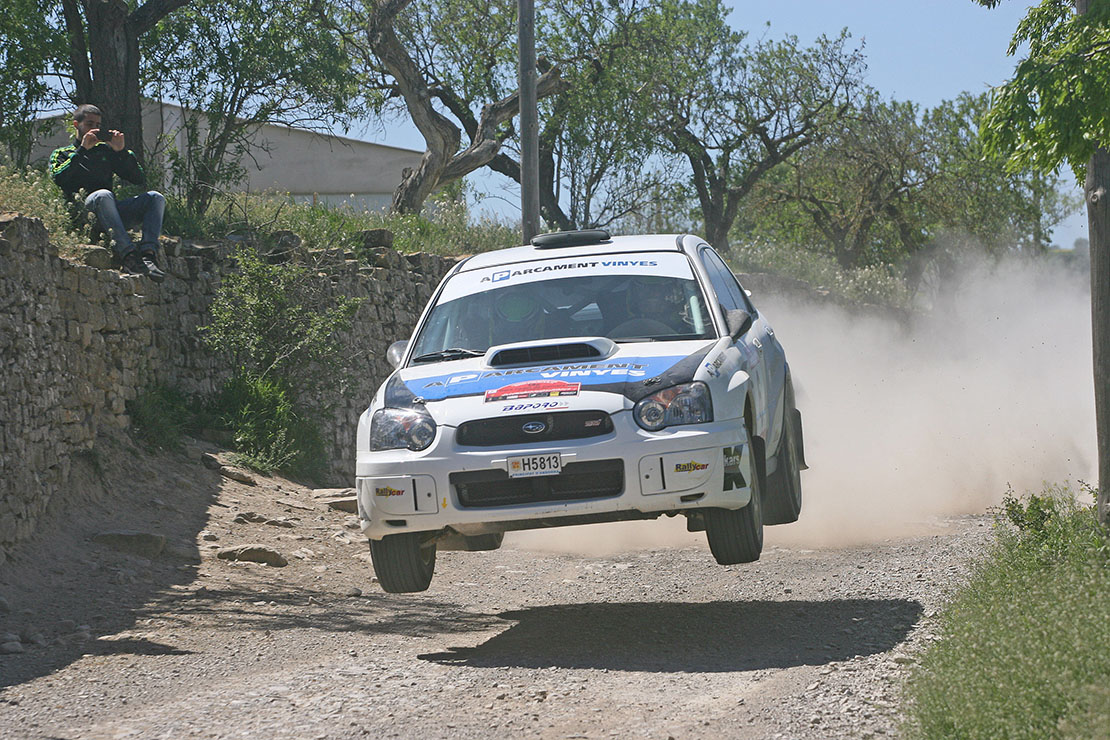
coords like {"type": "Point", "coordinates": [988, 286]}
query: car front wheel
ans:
{"type": "Point", "coordinates": [404, 562]}
{"type": "Point", "coordinates": [736, 535]}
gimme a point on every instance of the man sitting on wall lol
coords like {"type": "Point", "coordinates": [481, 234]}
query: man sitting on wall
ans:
{"type": "Point", "coordinates": [89, 164]}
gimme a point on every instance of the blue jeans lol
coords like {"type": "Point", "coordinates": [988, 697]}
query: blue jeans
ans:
{"type": "Point", "coordinates": [116, 215]}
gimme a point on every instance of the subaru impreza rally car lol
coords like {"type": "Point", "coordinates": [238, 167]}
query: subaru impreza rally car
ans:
{"type": "Point", "coordinates": [582, 379]}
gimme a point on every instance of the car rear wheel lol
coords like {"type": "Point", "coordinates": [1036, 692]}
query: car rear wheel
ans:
{"type": "Point", "coordinates": [404, 562]}
{"type": "Point", "coordinates": [784, 486]}
{"type": "Point", "coordinates": [736, 535]}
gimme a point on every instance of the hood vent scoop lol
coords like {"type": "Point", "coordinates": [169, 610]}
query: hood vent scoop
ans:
{"type": "Point", "coordinates": [532, 353]}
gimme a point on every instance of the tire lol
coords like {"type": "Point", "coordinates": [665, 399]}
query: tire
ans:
{"type": "Point", "coordinates": [784, 486]}
{"type": "Point", "coordinates": [404, 563]}
{"type": "Point", "coordinates": [736, 535]}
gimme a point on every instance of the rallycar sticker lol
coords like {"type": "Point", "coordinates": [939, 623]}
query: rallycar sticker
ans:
{"type": "Point", "coordinates": [733, 477]}
{"type": "Point", "coordinates": [469, 282]}
{"type": "Point", "coordinates": [533, 389]}
{"type": "Point", "coordinates": [714, 368]}
{"type": "Point", "coordinates": [625, 376]}
{"type": "Point", "coordinates": [592, 266]}
{"type": "Point", "coordinates": [690, 467]}
{"type": "Point", "coordinates": [386, 491]}
{"type": "Point", "coordinates": [536, 406]}
{"type": "Point", "coordinates": [585, 376]}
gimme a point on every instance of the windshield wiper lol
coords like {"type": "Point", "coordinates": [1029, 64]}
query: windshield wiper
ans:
{"type": "Point", "coordinates": [452, 353]}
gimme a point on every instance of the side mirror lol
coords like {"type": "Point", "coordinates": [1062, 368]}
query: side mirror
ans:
{"type": "Point", "coordinates": [396, 353]}
{"type": "Point", "coordinates": [738, 322]}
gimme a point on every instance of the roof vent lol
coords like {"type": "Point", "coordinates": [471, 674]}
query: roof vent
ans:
{"type": "Point", "coordinates": [570, 239]}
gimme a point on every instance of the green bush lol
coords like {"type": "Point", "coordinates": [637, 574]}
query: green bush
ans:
{"type": "Point", "coordinates": [280, 321]}
{"type": "Point", "coordinates": [879, 284]}
{"type": "Point", "coordinates": [161, 416]}
{"type": "Point", "coordinates": [1025, 648]}
{"type": "Point", "coordinates": [270, 434]}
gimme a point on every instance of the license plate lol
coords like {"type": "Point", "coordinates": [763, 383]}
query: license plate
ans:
{"type": "Point", "coordinates": [530, 466]}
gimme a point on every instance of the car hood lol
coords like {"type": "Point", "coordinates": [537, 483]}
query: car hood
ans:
{"type": "Point", "coordinates": [470, 388]}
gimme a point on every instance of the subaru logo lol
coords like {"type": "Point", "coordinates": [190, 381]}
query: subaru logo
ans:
{"type": "Point", "coordinates": [533, 427]}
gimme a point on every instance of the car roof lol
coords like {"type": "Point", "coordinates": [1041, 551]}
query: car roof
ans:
{"type": "Point", "coordinates": [614, 245]}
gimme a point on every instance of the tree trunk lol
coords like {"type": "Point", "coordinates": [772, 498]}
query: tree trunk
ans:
{"type": "Point", "coordinates": [114, 56]}
{"type": "Point", "coordinates": [1098, 224]}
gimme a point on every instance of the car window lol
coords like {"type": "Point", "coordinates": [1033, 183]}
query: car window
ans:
{"type": "Point", "coordinates": [727, 287]}
{"type": "Point", "coordinates": [624, 306]}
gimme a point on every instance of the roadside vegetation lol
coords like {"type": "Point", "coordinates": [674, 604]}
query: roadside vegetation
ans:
{"type": "Point", "coordinates": [1025, 648]}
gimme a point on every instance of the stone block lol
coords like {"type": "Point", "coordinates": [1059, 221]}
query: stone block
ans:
{"type": "Point", "coordinates": [97, 257]}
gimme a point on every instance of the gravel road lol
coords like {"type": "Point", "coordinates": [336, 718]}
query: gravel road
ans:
{"type": "Point", "coordinates": [600, 639]}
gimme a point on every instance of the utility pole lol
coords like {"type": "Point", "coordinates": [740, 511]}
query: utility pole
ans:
{"type": "Point", "coordinates": [529, 122]}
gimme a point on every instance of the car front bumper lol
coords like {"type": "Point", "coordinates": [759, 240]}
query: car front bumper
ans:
{"type": "Point", "coordinates": [625, 474]}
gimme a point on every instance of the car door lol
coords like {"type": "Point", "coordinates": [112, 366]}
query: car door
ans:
{"type": "Point", "coordinates": [731, 296]}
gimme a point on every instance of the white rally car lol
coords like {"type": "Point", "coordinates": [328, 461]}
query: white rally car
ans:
{"type": "Point", "coordinates": [580, 379]}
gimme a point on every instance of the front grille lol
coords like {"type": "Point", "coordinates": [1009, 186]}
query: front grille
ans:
{"type": "Point", "coordinates": [578, 481]}
{"type": "Point", "coordinates": [509, 430]}
{"type": "Point", "coordinates": [545, 353]}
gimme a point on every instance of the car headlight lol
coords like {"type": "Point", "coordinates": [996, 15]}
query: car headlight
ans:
{"type": "Point", "coordinates": [397, 429]}
{"type": "Point", "coordinates": [689, 403]}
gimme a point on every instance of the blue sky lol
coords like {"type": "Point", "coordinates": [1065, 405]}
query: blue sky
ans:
{"type": "Point", "coordinates": [920, 50]}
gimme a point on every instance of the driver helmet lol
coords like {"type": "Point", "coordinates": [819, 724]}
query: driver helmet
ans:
{"type": "Point", "coordinates": [653, 296]}
{"type": "Point", "coordinates": [516, 307]}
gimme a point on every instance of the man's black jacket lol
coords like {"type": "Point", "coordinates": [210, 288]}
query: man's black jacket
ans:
{"type": "Point", "coordinates": [75, 168]}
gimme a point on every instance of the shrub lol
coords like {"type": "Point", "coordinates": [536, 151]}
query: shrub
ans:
{"type": "Point", "coordinates": [161, 416]}
{"type": "Point", "coordinates": [270, 434]}
{"type": "Point", "coordinates": [281, 322]}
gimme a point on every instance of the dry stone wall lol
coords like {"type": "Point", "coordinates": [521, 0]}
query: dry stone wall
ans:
{"type": "Point", "coordinates": [77, 342]}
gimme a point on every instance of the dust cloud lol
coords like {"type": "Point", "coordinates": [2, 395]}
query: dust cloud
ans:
{"type": "Point", "coordinates": [906, 422]}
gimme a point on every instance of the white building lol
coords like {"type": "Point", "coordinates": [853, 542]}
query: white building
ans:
{"type": "Point", "coordinates": [310, 167]}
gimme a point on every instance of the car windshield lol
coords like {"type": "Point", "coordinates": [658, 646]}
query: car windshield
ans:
{"type": "Point", "coordinates": [622, 306]}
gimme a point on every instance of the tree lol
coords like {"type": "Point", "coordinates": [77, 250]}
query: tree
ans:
{"type": "Point", "coordinates": [890, 180]}
{"type": "Point", "coordinates": [30, 53]}
{"type": "Point", "coordinates": [451, 65]}
{"type": "Point", "coordinates": [104, 57]}
{"type": "Point", "coordinates": [600, 160]}
{"type": "Point", "coordinates": [235, 65]}
{"type": "Point", "coordinates": [1054, 111]}
{"type": "Point", "coordinates": [734, 111]}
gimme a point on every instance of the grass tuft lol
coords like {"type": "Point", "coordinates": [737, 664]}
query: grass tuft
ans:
{"type": "Point", "coordinates": [1025, 651]}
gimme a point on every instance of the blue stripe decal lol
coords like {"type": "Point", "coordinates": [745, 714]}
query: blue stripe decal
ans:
{"type": "Point", "coordinates": [586, 374]}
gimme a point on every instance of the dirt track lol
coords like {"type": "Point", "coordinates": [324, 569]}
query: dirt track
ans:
{"type": "Point", "coordinates": [642, 643]}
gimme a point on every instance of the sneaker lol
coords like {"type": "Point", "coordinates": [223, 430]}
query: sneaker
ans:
{"type": "Point", "coordinates": [133, 264]}
{"type": "Point", "coordinates": [137, 264]}
{"type": "Point", "coordinates": [152, 269]}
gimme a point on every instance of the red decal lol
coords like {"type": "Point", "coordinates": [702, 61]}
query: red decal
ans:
{"type": "Point", "coordinates": [533, 389]}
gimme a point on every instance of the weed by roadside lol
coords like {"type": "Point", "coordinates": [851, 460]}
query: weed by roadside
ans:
{"type": "Point", "coordinates": [32, 193]}
{"type": "Point", "coordinates": [1025, 648]}
{"type": "Point", "coordinates": [161, 416]}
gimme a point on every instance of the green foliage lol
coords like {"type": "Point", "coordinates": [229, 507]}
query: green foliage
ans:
{"type": "Point", "coordinates": [162, 415]}
{"type": "Point", "coordinates": [32, 47]}
{"type": "Point", "coordinates": [280, 322]}
{"type": "Point", "coordinates": [237, 64]}
{"type": "Point", "coordinates": [734, 110]}
{"type": "Point", "coordinates": [1026, 643]}
{"type": "Point", "coordinates": [447, 228]}
{"type": "Point", "coordinates": [876, 284]}
{"type": "Point", "coordinates": [1054, 110]}
{"type": "Point", "coordinates": [270, 433]}
{"type": "Point", "coordinates": [32, 193]}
